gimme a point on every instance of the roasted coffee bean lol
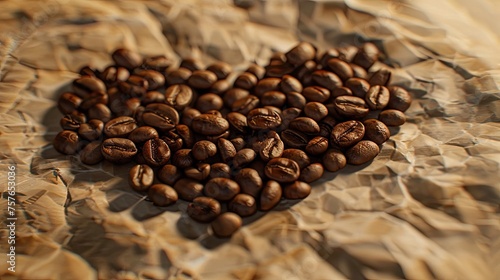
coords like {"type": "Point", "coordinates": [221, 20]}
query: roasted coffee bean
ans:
{"type": "Point", "coordinates": [135, 86]}
{"type": "Point", "coordinates": [93, 99]}
{"type": "Point", "coordinates": [188, 115]}
{"type": "Point", "coordinates": [279, 69]}
{"type": "Point", "coordinates": [192, 64]}
{"type": "Point", "coordinates": [118, 150]}
{"type": "Point", "coordinates": [304, 72]}
{"type": "Point", "coordinates": [234, 94]}
{"type": "Point", "coordinates": [380, 78]}
{"type": "Point", "coordinates": [188, 189]}
{"type": "Point", "coordinates": [156, 152]}
{"type": "Point", "coordinates": [183, 158]}
{"type": "Point", "coordinates": [258, 165]}
{"type": "Point", "coordinates": [85, 85]}
{"type": "Point", "coordinates": [326, 126]}
{"type": "Point", "coordinates": [243, 204]}
{"type": "Point", "coordinates": [159, 63]}
{"type": "Point", "coordinates": [315, 110]}
{"type": "Point", "coordinates": [209, 101]}
{"type": "Point", "coordinates": [141, 177]}
{"type": "Point", "coordinates": [202, 150]}
{"type": "Point", "coordinates": [204, 209]}
{"type": "Point", "coordinates": [238, 122]}
{"type": "Point", "coordinates": [215, 138]}
{"type": "Point", "coordinates": [127, 58]}
{"type": "Point", "coordinates": [362, 152]}
{"type": "Point", "coordinates": [160, 116]}
{"type": "Point", "coordinates": [143, 134]}
{"type": "Point", "coordinates": [88, 71]}
{"type": "Point", "coordinates": [359, 72]}
{"type": "Point", "coordinates": [341, 68]}
{"type": "Point", "coordinates": [359, 87]}
{"type": "Point", "coordinates": [153, 97]}
{"type": "Point", "coordinates": [317, 146]}
{"type": "Point", "coordinates": [267, 84]}
{"type": "Point", "coordinates": [273, 98]}
{"type": "Point", "coordinates": [73, 121]}
{"type": "Point", "coordinates": [220, 170]}
{"type": "Point", "coordinates": [327, 55]}
{"type": "Point", "coordinates": [249, 181]}
{"type": "Point", "coordinates": [126, 107]}
{"type": "Point", "coordinates": [199, 172]}
{"type": "Point", "coordinates": [92, 130]}
{"type": "Point", "coordinates": [173, 140]}
{"type": "Point", "coordinates": [169, 174]}
{"type": "Point", "coordinates": [376, 131]}
{"type": "Point", "coordinates": [270, 195]}
{"type": "Point", "coordinates": [263, 118]}
{"type": "Point", "coordinates": [112, 75]}
{"type": "Point", "coordinates": [297, 190]}
{"type": "Point", "coordinates": [226, 224]}
{"type": "Point", "coordinates": [283, 170]}
{"type": "Point", "coordinates": [304, 125]}
{"type": "Point", "coordinates": [257, 70]}
{"type": "Point", "coordinates": [243, 157]}
{"type": "Point", "coordinates": [91, 154]}
{"type": "Point", "coordinates": [154, 78]}
{"type": "Point", "coordinates": [208, 124]}
{"type": "Point", "coordinates": [377, 97]}
{"type": "Point", "coordinates": [220, 87]}
{"type": "Point", "coordinates": [316, 94]}
{"type": "Point", "coordinates": [350, 107]}
{"type": "Point", "coordinates": [120, 127]}
{"type": "Point", "coordinates": [341, 91]}
{"type": "Point", "coordinates": [366, 55]}
{"type": "Point", "coordinates": [287, 116]}
{"type": "Point", "coordinates": [290, 84]}
{"type": "Point", "coordinates": [294, 139]}
{"type": "Point", "coordinates": [347, 53]}
{"type": "Point", "coordinates": [334, 160]}
{"type": "Point", "coordinates": [348, 133]}
{"type": "Point", "coordinates": [162, 195]}
{"type": "Point", "coordinates": [299, 156]}
{"type": "Point", "coordinates": [68, 102]}
{"type": "Point", "coordinates": [295, 99]}
{"type": "Point", "coordinates": [326, 79]}
{"type": "Point", "coordinates": [399, 99]}
{"type": "Point", "coordinates": [392, 117]}
{"type": "Point", "coordinates": [239, 143]}
{"type": "Point", "coordinates": [311, 173]}
{"type": "Point", "coordinates": [226, 149]}
{"type": "Point", "coordinates": [178, 76]}
{"type": "Point", "coordinates": [246, 81]}
{"type": "Point", "coordinates": [202, 79]}
{"type": "Point", "coordinates": [222, 189]}
{"type": "Point", "coordinates": [187, 135]}
{"type": "Point", "coordinates": [301, 53]}
{"type": "Point", "coordinates": [67, 142]}
{"type": "Point", "coordinates": [220, 69]}
{"type": "Point", "coordinates": [245, 105]}
{"type": "Point", "coordinates": [271, 148]}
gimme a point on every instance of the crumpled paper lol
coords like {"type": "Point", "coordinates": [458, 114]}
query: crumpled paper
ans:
{"type": "Point", "coordinates": [426, 208]}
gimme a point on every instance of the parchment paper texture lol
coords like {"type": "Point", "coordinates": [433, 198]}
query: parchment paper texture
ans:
{"type": "Point", "coordinates": [426, 208]}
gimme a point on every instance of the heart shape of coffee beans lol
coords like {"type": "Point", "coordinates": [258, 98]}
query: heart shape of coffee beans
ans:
{"type": "Point", "coordinates": [248, 144]}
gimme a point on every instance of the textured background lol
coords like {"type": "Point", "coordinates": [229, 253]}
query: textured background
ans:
{"type": "Point", "coordinates": [426, 208]}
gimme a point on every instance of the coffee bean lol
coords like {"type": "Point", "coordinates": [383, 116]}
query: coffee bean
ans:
{"type": "Point", "coordinates": [160, 116]}
{"type": "Point", "coordinates": [290, 84]}
{"type": "Point", "coordinates": [348, 133]}
{"type": "Point", "coordinates": [127, 58]}
{"type": "Point", "coordinates": [188, 115]}
{"type": "Point", "coordinates": [362, 152]}
{"type": "Point", "coordinates": [305, 125]}
{"type": "Point", "coordinates": [118, 150]}
{"type": "Point", "coordinates": [204, 209]}
{"type": "Point", "coordinates": [178, 76]}
{"type": "Point", "coordinates": [202, 79]}
{"type": "Point", "coordinates": [326, 79]}
{"type": "Point", "coordinates": [222, 189]}
{"type": "Point", "coordinates": [203, 150]}
{"type": "Point", "coordinates": [238, 122]}
{"type": "Point", "coordinates": [270, 195]}
{"type": "Point", "coordinates": [243, 204]}
{"type": "Point", "coordinates": [188, 189]}
{"type": "Point", "coordinates": [304, 72]}
{"type": "Point", "coordinates": [334, 160]}
{"type": "Point", "coordinates": [226, 224]}
{"type": "Point", "coordinates": [209, 101]}
{"type": "Point", "coordinates": [243, 157]}
{"type": "Point", "coordinates": [359, 87]}
{"type": "Point", "coordinates": [173, 140]}
{"type": "Point", "coordinates": [126, 107]}
{"type": "Point", "coordinates": [246, 81]}
{"type": "Point", "coordinates": [273, 98]}
{"type": "Point", "coordinates": [187, 135]}
{"type": "Point", "coordinates": [315, 110]}
{"type": "Point", "coordinates": [112, 75]}
{"type": "Point", "coordinates": [220, 87]}
{"type": "Point", "coordinates": [311, 173]}
{"type": "Point", "coordinates": [392, 117]}
{"type": "Point", "coordinates": [72, 121]}
{"type": "Point", "coordinates": [271, 148]}
{"type": "Point", "coordinates": [341, 91]}
{"type": "Point", "coordinates": [350, 107]}
{"type": "Point", "coordinates": [239, 143]}
{"type": "Point", "coordinates": [86, 85]}
{"type": "Point", "coordinates": [215, 138]}
{"type": "Point", "coordinates": [399, 99]}
{"type": "Point", "coordinates": [143, 134]}
{"type": "Point", "coordinates": [265, 85]}
{"type": "Point", "coordinates": [159, 63]}
{"type": "Point", "coordinates": [183, 158]}
{"type": "Point", "coordinates": [295, 99]}
{"type": "Point", "coordinates": [297, 190]}
{"type": "Point", "coordinates": [92, 130]}
{"type": "Point", "coordinates": [226, 149]}
{"type": "Point", "coordinates": [245, 105]}
{"type": "Point", "coordinates": [234, 94]}
{"type": "Point", "coordinates": [381, 77]}
{"type": "Point", "coordinates": [156, 152]}
{"type": "Point", "coordinates": [207, 124]}
{"type": "Point", "coordinates": [162, 195]}
{"type": "Point", "coordinates": [366, 55]}
{"type": "Point", "coordinates": [169, 174]}
{"type": "Point", "coordinates": [68, 102]}
{"type": "Point", "coordinates": [91, 154]}
{"type": "Point", "coordinates": [326, 126]}
{"type": "Point", "coordinates": [327, 55]}
{"type": "Point", "coordinates": [88, 71]}
{"type": "Point", "coordinates": [376, 131]}
{"type": "Point", "coordinates": [67, 142]}
{"type": "Point", "coordinates": [359, 72]}
{"type": "Point", "coordinates": [257, 70]}
{"type": "Point", "coordinates": [93, 99]}
{"type": "Point", "coordinates": [220, 69]}
{"type": "Point", "coordinates": [220, 170]}
{"type": "Point", "coordinates": [317, 146]}
{"type": "Point", "coordinates": [316, 94]}
{"type": "Point", "coordinates": [192, 64]}
{"type": "Point", "coordinates": [377, 97]}
{"type": "Point", "coordinates": [347, 53]}
{"type": "Point", "coordinates": [301, 53]}
{"type": "Point", "coordinates": [152, 97]}
{"type": "Point", "coordinates": [141, 177]}
{"type": "Point", "coordinates": [154, 78]}
{"type": "Point", "coordinates": [120, 127]}
{"type": "Point", "coordinates": [283, 170]}
{"type": "Point", "coordinates": [178, 96]}
{"type": "Point", "coordinates": [294, 139]}
{"type": "Point", "coordinates": [341, 68]}
{"type": "Point", "coordinates": [249, 181]}
{"type": "Point", "coordinates": [287, 116]}
{"type": "Point", "coordinates": [263, 118]}
{"type": "Point", "coordinates": [199, 172]}
{"type": "Point", "coordinates": [135, 86]}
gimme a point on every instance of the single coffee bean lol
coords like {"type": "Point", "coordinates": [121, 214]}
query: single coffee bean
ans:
{"type": "Point", "coordinates": [220, 87]}
{"type": "Point", "coordinates": [209, 101]}
{"type": "Point", "coordinates": [350, 107]}
{"type": "Point", "coordinates": [159, 63]}
{"type": "Point", "coordinates": [326, 79]}
{"type": "Point", "coordinates": [202, 79]}
{"type": "Point", "coordinates": [154, 78]}
{"type": "Point", "coordinates": [234, 94]}
{"type": "Point", "coordinates": [85, 85]}
{"type": "Point", "coordinates": [238, 143]}
{"type": "Point", "coordinates": [72, 121]}
{"type": "Point", "coordinates": [226, 149]}
{"type": "Point", "coordinates": [376, 131]}
{"type": "Point", "coordinates": [152, 97]}
{"type": "Point", "coordinates": [202, 150]}
{"type": "Point", "coordinates": [141, 177]}
{"type": "Point", "coordinates": [226, 224]}
{"type": "Point", "coordinates": [267, 84]}
{"type": "Point", "coordinates": [215, 138]}
{"type": "Point", "coordinates": [341, 68]}
{"type": "Point", "coordinates": [347, 53]}
{"type": "Point", "coordinates": [359, 87]}
{"type": "Point", "coordinates": [295, 99]}
{"type": "Point", "coordinates": [326, 126]}
{"type": "Point", "coordinates": [160, 116]}
{"type": "Point", "coordinates": [92, 130]}
{"type": "Point", "coordinates": [112, 75]}
{"type": "Point", "coordinates": [299, 156]}
{"type": "Point", "coordinates": [249, 181]}
{"type": "Point", "coordinates": [187, 135]}
{"type": "Point", "coordinates": [359, 72]}
{"type": "Point", "coordinates": [245, 105]}
{"type": "Point", "coordinates": [93, 99]}
{"type": "Point", "coordinates": [220, 69]}
{"type": "Point", "coordinates": [246, 81]}
{"type": "Point", "coordinates": [377, 97]}
{"type": "Point", "coordinates": [162, 195]}
{"type": "Point", "coordinates": [283, 170]}
{"type": "Point", "coordinates": [305, 125]}
{"type": "Point", "coordinates": [169, 174]}
{"type": "Point", "coordinates": [341, 91]}
{"type": "Point", "coordinates": [222, 189]}
{"type": "Point", "coordinates": [238, 122]}
{"type": "Point", "coordinates": [301, 53]}
{"type": "Point", "coordinates": [183, 158]}
{"type": "Point", "coordinates": [392, 117]}
{"type": "Point", "coordinates": [288, 115]}
{"type": "Point", "coordinates": [311, 173]}
{"type": "Point", "coordinates": [263, 118]}
{"type": "Point", "coordinates": [243, 204]}
{"type": "Point", "coordinates": [173, 140]}
{"type": "Point", "coordinates": [316, 94]}
{"type": "Point", "coordinates": [127, 58]}
{"type": "Point", "coordinates": [208, 124]}
{"type": "Point", "coordinates": [188, 189]}
{"type": "Point", "coordinates": [399, 99]}
{"type": "Point", "coordinates": [68, 102]}
{"type": "Point", "coordinates": [204, 209]}
{"type": "Point", "coordinates": [243, 157]}
{"type": "Point", "coordinates": [188, 115]}
{"type": "Point", "coordinates": [334, 160]}
{"type": "Point", "coordinates": [220, 170]}
{"type": "Point", "coordinates": [125, 107]}
{"type": "Point", "coordinates": [317, 146]}
{"type": "Point", "coordinates": [88, 71]}
{"type": "Point", "coordinates": [270, 195]}
{"type": "Point", "coordinates": [290, 84]}
{"type": "Point", "coordinates": [327, 55]}
{"type": "Point", "coordinates": [156, 152]}
{"type": "Point", "coordinates": [273, 98]}
{"type": "Point", "coordinates": [178, 76]}
{"type": "Point", "coordinates": [294, 139]}
{"type": "Point", "coordinates": [199, 172]}
{"type": "Point", "coordinates": [192, 64]}
{"type": "Point", "coordinates": [271, 148]}
{"type": "Point", "coordinates": [380, 78]}
{"type": "Point", "coordinates": [118, 150]}
{"type": "Point", "coordinates": [362, 152]}
{"type": "Point", "coordinates": [67, 142]}
{"type": "Point", "coordinates": [120, 127]}
{"type": "Point", "coordinates": [297, 190]}
{"type": "Point", "coordinates": [135, 86]}
{"type": "Point", "coordinates": [257, 70]}
{"type": "Point", "coordinates": [366, 55]}
{"type": "Point", "coordinates": [91, 154]}
{"type": "Point", "coordinates": [348, 133]}
{"type": "Point", "coordinates": [315, 110]}
{"type": "Point", "coordinates": [143, 134]}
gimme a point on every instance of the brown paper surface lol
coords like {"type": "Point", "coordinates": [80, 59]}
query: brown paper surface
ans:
{"type": "Point", "coordinates": [426, 208]}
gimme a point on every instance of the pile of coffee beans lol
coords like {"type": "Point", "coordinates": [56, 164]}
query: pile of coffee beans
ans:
{"type": "Point", "coordinates": [231, 148]}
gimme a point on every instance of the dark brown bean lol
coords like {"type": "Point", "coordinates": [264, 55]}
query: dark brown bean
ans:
{"type": "Point", "coordinates": [188, 115]}
{"type": "Point", "coordinates": [226, 149]}
{"type": "Point", "coordinates": [120, 127]}
{"type": "Point", "coordinates": [246, 81]}
{"type": "Point", "coordinates": [159, 63]}
{"type": "Point", "coordinates": [377, 97]}
{"type": "Point", "coordinates": [283, 170]}
{"type": "Point", "coordinates": [366, 55]}
{"type": "Point", "coordinates": [299, 156]}
{"type": "Point", "coordinates": [178, 96]}
{"type": "Point", "coordinates": [91, 154]}
{"type": "Point", "coordinates": [220, 170]}
{"type": "Point", "coordinates": [118, 150]}
{"type": "Point", "coordinates": [220, 87]}
{"type": "Point", "coordinates": [359, 87]}
{"type": "Point", "coordinates": [316, 94]}
{"type": "Point", "coordinates": [202, 150]}
{"type": "Point", "coordinates": [312, 172]}
{"type": "Point", "coordinates": [295, 99]}
{"type": "Point", "coordinates": [169, 174]}
{"type": "Point", "coordinates": [202, 79]}
{"type": "Point", "coordinates": [162, 195]}
{"type": "Point", "coordinates": [127, 58]}
{"type": "Point", "coordinates": [188, 189]}
{"type": "Point", "coordinates": [92, 130]}
{"type": "Point", "coordinates": [317, 146]}
{"type": "Point", "coordinates": [350, 107]}
{"type": "Point", "coordinates": [220, 69]}
{"type": "Point", "coordinates": [249, 181]}
{"type": "Point", "coordinates": [297, 190]}
{"type": "Point", "coordinates": [85, 85]}
{"type": "Point", "coordinates": [270, 195]}
{"type": "Point", "coordinates": [315, 110]}
{"type": "Point", "coordinates": [222, 189]}
{"type": "Point", "coordinates": [376, 131]}
{"type": "Point", "coordinates": [135, 86]}
{"type": "Point", "coordinates": [160, 116]}
{"type": "Point", "coordinates": [226, 224]}
{"type": "Point", "coordinates": [199, 172]}
{"type": "Point", "coordinates": [245, 104]}
{"type": "Point", "coordinates": [267, 84]}
{"type": "Point", "coordinates": [143, 134]}
{"type": "Point", "coordinates": [334, 160]}
{"type": "Point", "coordinates": [273, 98]}
{"type": "Point", "coordinates": [341, 68]}
{"type": "Point", "coordinates": [73, 121]}
{"type": "Point", "coordinates": [305, 125]}
{"type": "Point", "coordinates": [178, 76]}
{"type": "Point", "coordinates": [341, 91]}
{"type": "Point", "coordinates": [301, 53]}
{"type": "Point", "coordinates": [173, 140]}
{"type": "Point", "coordinates": [380, 78]}
{"type": "Point", "coordinates": [68, 102]}
{"type": "Point", "coordinates": [290, 84]}
{"type": "Point", "coordinates": [112, 75]}
{"type": "Point", "coordinates": [348, 133]}
{"type": "Point", "coordinates": [234, 94]}
{"type": "Point", "coordinates": [156, 152]}
{"type": "Point", "coordinates": [187, 135]}
{"type": "Point", "coordinates": [399, 99]}
{"type": "Point", "coordinates": [326, 79]}
{"type": "Point", "coordinates": [257, 70]}
{"type": "Point", "coordinates": [152, 97]}
{"type": "Point", "coordinates": [183, 158]}
{"type": "Point", "coordinates": [362, 152]}
{"type": "Point", "coordinates": [243, 157]}
{"type": "Point", "coordinates": [359, 72]}
{"type": "Point", "coordinates": [263, 118]}
{"type": "Point", "coordinates": [192, 64]}
{"type": "Point", "coordinates": [271, 148]}
{"type": "Point", "coordinates": [239, 143]}
{"type": "Point", "coordinates": [204, 209]}
{"type": "Point", "coordinates": [327, 55]}
{"type": "Point", "coordinates": [294, 139]}
{"type": "Point", "coordinates": [141, 177]}
{"type": "Point", "coordinates": [243, 204]}
{"type": "Point", "coordinates": [209, 101]}
{"type": "Point", "coordinates": [208, 124]}
{"type": "Point", "coordinates": [391, 117]}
